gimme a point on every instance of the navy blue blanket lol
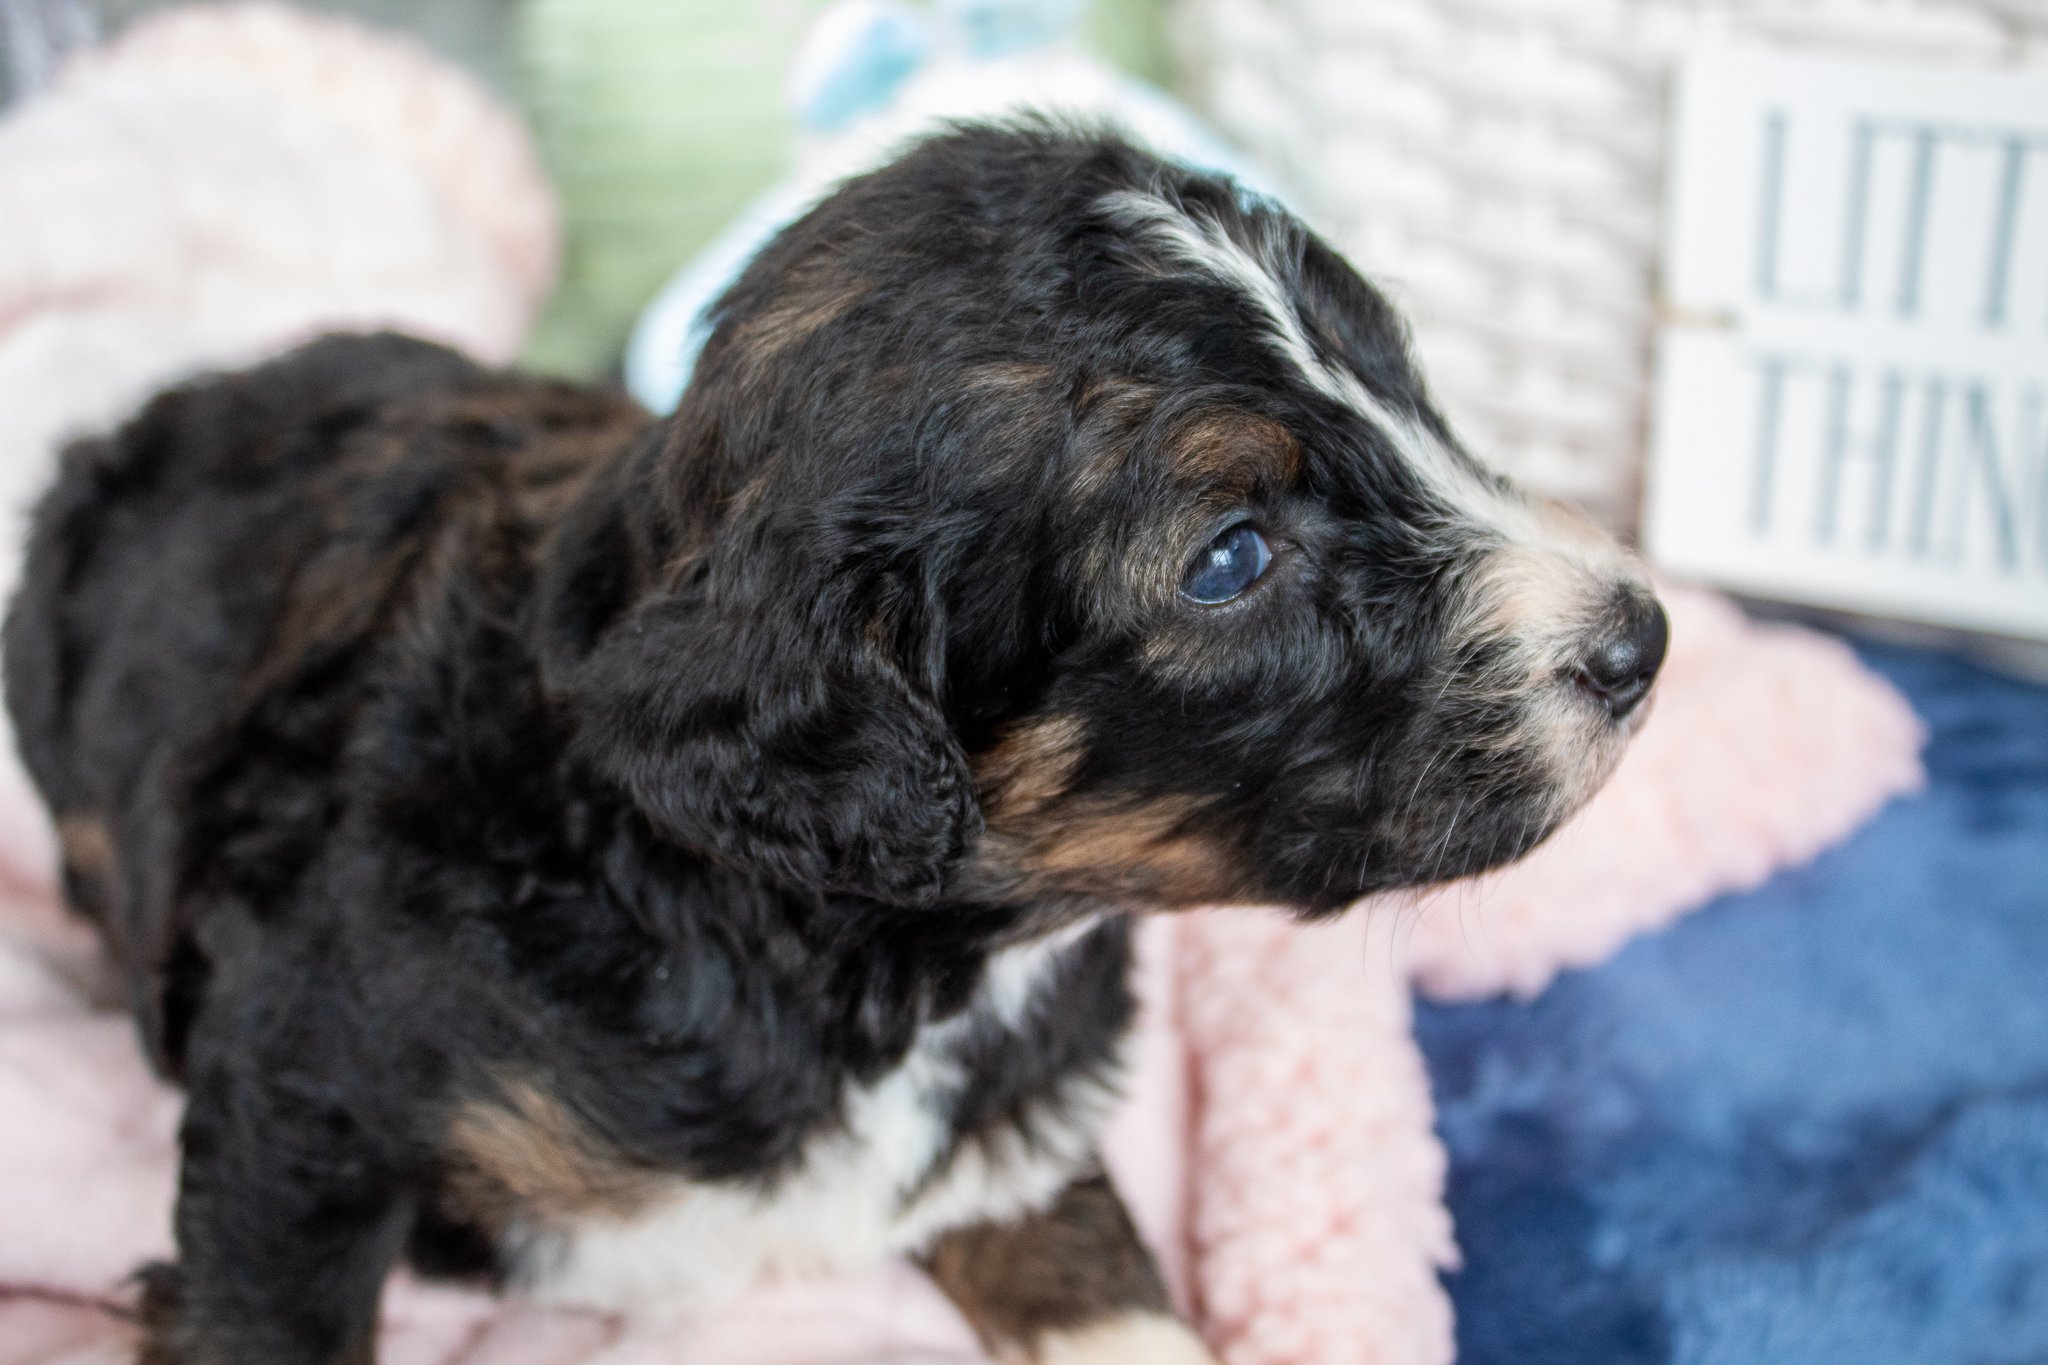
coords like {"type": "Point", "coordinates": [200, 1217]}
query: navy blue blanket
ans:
{"type": "Point", "coordinates": [1810, 1123]}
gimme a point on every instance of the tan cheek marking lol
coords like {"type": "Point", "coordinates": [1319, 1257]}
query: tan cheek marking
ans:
{"type": "Point", "coordinates": [1140, 851]}
{"type": "Point", "coordinates": [1031, 767]}
{"type": "Point", "coordinates": [523, 1152]}
{"type": "Point", "coordinates": [1042, 839]}
{"type": "Point", "coordinates": [1102, 840]}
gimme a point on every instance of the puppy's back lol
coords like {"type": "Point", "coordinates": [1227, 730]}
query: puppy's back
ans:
{"type": "Point", "coordinates": [109, 572]}
{"type": "Point", "coordinates": [200, 593]}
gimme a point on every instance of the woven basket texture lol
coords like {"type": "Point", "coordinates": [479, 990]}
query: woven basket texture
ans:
{"type": "Point", "coordinates": [1500, 165]}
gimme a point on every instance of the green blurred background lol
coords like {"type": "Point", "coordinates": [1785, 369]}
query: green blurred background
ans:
{"type": "Point", "coordinates": [657, 119]}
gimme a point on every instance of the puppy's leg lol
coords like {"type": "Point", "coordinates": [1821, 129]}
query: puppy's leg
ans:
{"type": "Point", "coordinates": [287, 1222]}
{"type": "Point", "coordinates": [1070, 1286]}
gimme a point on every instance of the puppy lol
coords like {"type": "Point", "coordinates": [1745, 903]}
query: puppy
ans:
{"type": "Point", "coordinates": [617, 860]}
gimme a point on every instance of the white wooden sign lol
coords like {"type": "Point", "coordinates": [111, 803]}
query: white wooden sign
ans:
{"type": "Point", "coordinates": [1852, 394]}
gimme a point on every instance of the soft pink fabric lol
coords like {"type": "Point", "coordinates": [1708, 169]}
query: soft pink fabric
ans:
{"type": "Point", "coordinates": [1277, 1146]}
{"type": "Point", "coordinates": [219, 183]}
{"type": "Point", "coordinates": [1315, 1215]}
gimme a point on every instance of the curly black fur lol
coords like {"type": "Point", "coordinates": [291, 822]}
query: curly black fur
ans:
{"type": "Point", "coordinates": [445, 752]}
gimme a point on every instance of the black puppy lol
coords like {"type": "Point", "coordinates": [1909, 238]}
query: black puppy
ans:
{"type": "Point", "coordinates": [619, 859]}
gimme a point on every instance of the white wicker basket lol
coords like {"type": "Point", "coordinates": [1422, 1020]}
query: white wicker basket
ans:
{"type": "Point", "coordinates": [1500, 165]}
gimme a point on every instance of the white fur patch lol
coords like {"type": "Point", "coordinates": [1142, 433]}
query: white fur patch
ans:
{"type": "Point", "coordinates": [1204, 246]}
{"type": "Point", "coordinates": [1141, 1339]}
{"type": "Point", "coordinates": [1467, 494]}
{"type": "Point", "coordinates": [845, 1206]}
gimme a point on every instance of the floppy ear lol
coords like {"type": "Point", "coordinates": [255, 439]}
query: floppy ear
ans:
{"type": "Point", "coordinates": [736, 613]}
{"type": "Point", "coordinates": [778, 730]}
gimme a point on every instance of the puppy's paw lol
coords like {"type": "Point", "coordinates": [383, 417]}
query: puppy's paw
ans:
{"type": "Point", "coordinates": [1139, 1339]}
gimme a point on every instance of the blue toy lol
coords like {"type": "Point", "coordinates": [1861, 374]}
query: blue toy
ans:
{"type": "Point", "coordinates": [875, 73]}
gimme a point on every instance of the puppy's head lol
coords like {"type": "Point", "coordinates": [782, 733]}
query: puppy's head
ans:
{"type": "Point", "coordinates": [1047, 523]}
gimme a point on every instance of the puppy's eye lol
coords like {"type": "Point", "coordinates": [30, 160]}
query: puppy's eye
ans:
{"type": "Point", "coordinates": [1232, 563]}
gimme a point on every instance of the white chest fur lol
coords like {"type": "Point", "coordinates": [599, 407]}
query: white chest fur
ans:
{"type": "Point", "coordinates": [864, 1191]}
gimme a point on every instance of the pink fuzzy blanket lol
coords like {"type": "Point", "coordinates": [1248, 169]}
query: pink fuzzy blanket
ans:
{"type": "Point", "coordinates": [1277, 1144]}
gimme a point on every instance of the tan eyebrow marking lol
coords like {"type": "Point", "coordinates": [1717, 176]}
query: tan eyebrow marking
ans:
{"type": "Point", "coordinates": [1238, 451]}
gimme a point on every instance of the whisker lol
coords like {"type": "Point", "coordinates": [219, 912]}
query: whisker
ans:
{"type": "Point", "coordinates": [1444, 845]}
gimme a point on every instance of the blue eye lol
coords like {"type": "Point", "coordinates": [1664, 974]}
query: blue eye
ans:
{"type": "Point", "coordinates": [1232, 563]}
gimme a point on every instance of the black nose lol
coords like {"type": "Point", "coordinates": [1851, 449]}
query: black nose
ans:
{"type": "Point", "coordinates": [1623, 662]}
